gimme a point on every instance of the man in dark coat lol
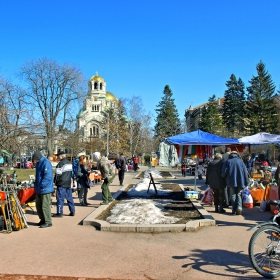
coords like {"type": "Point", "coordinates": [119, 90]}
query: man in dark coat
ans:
{"type": "Point", "coordinates": [226, 154]}
{"type": "Point", "coordinates": [43, 186]}
{"type": "Point", "coordinates": [235, 172]}
{"type": "Point", "coordinates": [216, 182]}
{"type": "Point", "coordinates": [227, 196]}
{"type": "Point", "coordinates": [121, 166]}
{"type": "Point", "coordinates": [62, 180]}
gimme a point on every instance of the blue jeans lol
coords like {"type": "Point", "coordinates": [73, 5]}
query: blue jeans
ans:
{"type": "Point", "coordinates": [236, 198]}
{"type": "Point", "coordinates": [62, 193]}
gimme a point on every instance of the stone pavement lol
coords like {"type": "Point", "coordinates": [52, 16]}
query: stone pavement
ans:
{"type": "Point", "coordinates": [82, 252]}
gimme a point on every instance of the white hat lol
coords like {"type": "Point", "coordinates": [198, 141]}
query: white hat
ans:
{"type": "Point", "coordinates": [81, 154]}
{"type": "Point", "coordinates": [96, 156]}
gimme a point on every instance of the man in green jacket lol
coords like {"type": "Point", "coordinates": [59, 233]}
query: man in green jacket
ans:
{"type": "Point", "coordinates": [105, 169]}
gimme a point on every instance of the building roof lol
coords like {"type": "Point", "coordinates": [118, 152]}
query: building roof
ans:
{"type": "Point", "coordinates": [220, 102]}
{"type": "Point", "coordinates": [110, 96]}
{"type": "Point", "coordinates": [97, 78]}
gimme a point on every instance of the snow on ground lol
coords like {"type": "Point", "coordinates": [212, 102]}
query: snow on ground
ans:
{"type": "Point", "coordinates": [155, 173]}
{"type": "Point", "coordinates": [140, 189]}
{"type": "Point", "coordinates": [139, 209]}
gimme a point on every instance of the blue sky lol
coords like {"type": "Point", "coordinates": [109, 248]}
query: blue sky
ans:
{"type": "Point", "coordinates": [138, 47]}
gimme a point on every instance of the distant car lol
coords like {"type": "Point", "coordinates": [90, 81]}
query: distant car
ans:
{"type": "Point", "coordinates": [28, 165]}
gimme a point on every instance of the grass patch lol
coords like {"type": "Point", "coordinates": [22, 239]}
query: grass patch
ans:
{"type": "Point", "coordinates": [22, 173]}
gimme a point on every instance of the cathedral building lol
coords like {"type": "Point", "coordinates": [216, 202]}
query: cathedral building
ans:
{"type": "Point", "coordinates": [90, 117]}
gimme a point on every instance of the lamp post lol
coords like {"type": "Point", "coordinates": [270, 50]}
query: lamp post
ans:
{"type": "Point", "coordinates": [106, 113]}
{"type": "Point", "coordinates": [107, 152]}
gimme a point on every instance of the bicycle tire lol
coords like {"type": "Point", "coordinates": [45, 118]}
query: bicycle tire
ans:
{"type": "Point", "coordinates": [263, 251]}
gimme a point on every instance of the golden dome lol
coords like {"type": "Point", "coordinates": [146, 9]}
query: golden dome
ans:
{"type": "Point", "coordinates": [110, 96]}
{"type": "Point", "coordinates": [97, 78]}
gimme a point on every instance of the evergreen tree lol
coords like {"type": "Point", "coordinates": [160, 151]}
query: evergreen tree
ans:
{"type": "Point", "coordinates": [233, 107]}
{"type": "Point", "coordinates": [167, 121]}
{"type": "Point", "coordinates": [260, 109]}
{"type": "Point", "coordinates": [211, 120]}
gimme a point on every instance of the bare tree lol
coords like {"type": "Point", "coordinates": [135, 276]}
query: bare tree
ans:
{"type": "Point", "coordinates": [51, 90]}
{"type": "Point", "coordinates": [139, 122]}
{"type": "Point", "coordinates": [15, 119]}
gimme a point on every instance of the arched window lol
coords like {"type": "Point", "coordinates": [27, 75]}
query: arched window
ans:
{"type": "Point", "coordinates": [95, 108]}
{"type": "Point", "coordinates": [95, 85]}
{"type": "Point", "coordinates": [101, 86]}
{"type": "Point", "coordinates": [94, 131]}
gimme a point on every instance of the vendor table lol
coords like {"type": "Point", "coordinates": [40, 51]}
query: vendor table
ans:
{"type": "Point", "coordinates": [95, 177]}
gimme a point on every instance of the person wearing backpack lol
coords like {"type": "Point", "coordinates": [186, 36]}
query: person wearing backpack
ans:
{"type": "Point", "coordinates": [75, 168]}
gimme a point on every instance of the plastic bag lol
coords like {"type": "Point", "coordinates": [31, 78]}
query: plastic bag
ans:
{"type": "Point", "coordinates": [247, 198]}
{"type": "Point", "coordinates": [73, 184]}
{"type": "Point", "coordinates": [208, 197]}
{"type": "Point", "coordinates": [89, 183]}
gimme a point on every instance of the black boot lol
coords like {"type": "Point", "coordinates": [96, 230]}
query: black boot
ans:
{"type": "Point", "coordinates": [221, 209]}
{"type": "Point", "coordinates": [216, 209]}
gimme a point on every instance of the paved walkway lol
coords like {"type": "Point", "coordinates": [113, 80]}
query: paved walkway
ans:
{"type": "Point", "coordinates": [70, 249]}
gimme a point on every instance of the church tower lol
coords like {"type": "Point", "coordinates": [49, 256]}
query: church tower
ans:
{"type": "Point", "coordinates": [89, 118]}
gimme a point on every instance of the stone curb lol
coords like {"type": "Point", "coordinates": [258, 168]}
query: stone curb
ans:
{"type": "Point", "coordinates": [190, 226]}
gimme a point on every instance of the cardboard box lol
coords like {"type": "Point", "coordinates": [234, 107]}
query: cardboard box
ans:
{"type": "Point", "coordinates": [191, 194]}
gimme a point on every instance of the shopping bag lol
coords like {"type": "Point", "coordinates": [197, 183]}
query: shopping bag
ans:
{"type": "Point", "coordinates": [208, 196]}
{"type": "Point", "coordinates": [89, 183]}
{"type": "Point", "coordinates": [263, 204]}
{"type": "Point", "coordinates": [247, 198]}
{"type": "Point", "coordinates": [273, 195]}
{"type": "Point", "coordinates": [73, 184]}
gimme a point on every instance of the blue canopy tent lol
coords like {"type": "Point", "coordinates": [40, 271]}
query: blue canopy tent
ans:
{"type": "Point", "coordinates": [200, 137]}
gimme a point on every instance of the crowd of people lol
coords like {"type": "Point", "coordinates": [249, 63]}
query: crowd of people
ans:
{"type": "Point", "coordinates": [75, 173]}
{"type": "Point", "coordinates": [228, 174]}
{"type": "Point", "coordinates": [61, 182]}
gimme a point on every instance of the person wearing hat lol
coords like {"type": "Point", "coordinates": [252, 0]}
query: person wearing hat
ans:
{"type": "Point", "coordinates": [216, 182]}
{"type": "Point", "coordinates": [105, 169]}
{"type": "Point", "coordinates": [62, 180]}
{"type": "Point", "coordinates": [43, 186]}
{"type": "Point", "coordinates": [235, 172]}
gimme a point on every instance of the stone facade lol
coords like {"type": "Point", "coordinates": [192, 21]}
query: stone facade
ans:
{"type": "Point", "coordinates": [90, 117]}
{"type": "Point", "coordinates": [193, 115]}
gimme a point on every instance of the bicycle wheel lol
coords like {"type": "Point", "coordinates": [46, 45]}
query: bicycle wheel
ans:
{"type": "Point", "coordinates": [264, 252]}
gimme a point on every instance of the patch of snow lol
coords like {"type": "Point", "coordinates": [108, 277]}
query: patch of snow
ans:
{"type": "Point", "coordinates": [155, 173]}
{"type": "Point", "coordinates": [139, 211]}
{"type": "Point", "coordinates": [140, 189]}
{"type": "Point", "coordinates": [142, 210]}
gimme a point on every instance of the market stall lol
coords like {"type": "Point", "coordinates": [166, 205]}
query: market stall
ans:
{"type": "Point", "coordinates": [262, 184]}
{"type": "Point", "coordinates": [198, 145]}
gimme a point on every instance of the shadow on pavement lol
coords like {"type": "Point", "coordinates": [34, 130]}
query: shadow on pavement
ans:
{"type": "Point", "coordinates": [223, 260]}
